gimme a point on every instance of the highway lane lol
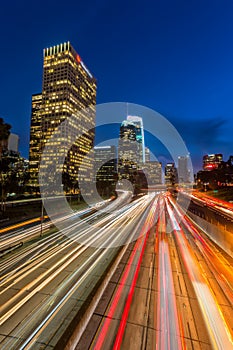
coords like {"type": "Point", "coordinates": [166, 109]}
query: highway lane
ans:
{"type": "Point", "coordinates": [18, 233]}
{"type": "Point", "coordinates": [167, 322]}
{"type": "Point", "coordinates": [182, 298]}
{"type": "Point", "coordinates": [150, 325]}
{"type": "Point", "coordinates": [219, 206]}
{"type": "Point", "coordinates": [171, 289]}
{"type": "Point", "coordinates": [204, 282]}
{"type": "Point", "coordinates": [59, 274]}
{"type": "Point", "coordinates": [220, 263]}
{"type": "Point", "coordinates": [106, 331]}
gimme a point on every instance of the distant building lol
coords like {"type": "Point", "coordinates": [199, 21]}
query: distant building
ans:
{"type": "Point", "coordinates": [13, 143]}
{"type": "Point", "coordinates": [183, 169]}
{"type": "Point", "coordinates": [105, 164]}
{"type": "Point", "coordinates": [128, 150]}
{"type": "Point", "coordinates": [35, 139]}
{"type": "Point", "coordinates": [216, 174]}
{"type": "Point", "coordinates": [147, 154]}
{"type": "Point", "coordinates": [212, 161]}
{"type": "Point", "coordinates": [171, 175]}
{"type": "Point", "coordinates": [153, 172]}
{"type": "Point", "coordinates": [68, 89]}
{"type": "Point", "coordinates": [138, 122]}
{"type": "Point", "coordinates": [10, 157]}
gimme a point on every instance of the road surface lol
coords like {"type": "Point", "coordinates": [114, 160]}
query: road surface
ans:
{"type": "Point", "coordinates": [162, 284]}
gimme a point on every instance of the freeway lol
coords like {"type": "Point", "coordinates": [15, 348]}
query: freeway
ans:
{"type": "Point", "coordinates": [140, 276]}
{"type": "Point", "coordinates": [177, 295]}
{"type": "Point", "coordinates": [219, 206]}
{"type": "Point", "coordinates": [46, 282]}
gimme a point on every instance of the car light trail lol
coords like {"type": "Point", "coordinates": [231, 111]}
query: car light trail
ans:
{"type": "Point", "coordinates": [219, 267]}
{"type": "Point", "coordinates": [121, 329]}
{"type": "Point", "coordinates": [218, 330]}
{"type": "Point", "coordinates": [109, 231]}
{"type": "Point", "coordinates": [49, 278]}
{"type": "Point", "coordinates": [135, 256]}
{"type": "Point", "coordinates": [169, 326]}
{"type": "Point", "coordinates": [21, 224]}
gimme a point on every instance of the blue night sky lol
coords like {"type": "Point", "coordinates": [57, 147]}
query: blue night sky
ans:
{"type": "Point", "coordinates": [175, 57]}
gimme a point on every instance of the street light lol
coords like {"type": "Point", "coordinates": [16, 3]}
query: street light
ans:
{"type": "Point", "coordinates": [41, 218]}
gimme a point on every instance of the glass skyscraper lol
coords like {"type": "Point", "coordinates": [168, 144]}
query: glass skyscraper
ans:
{"type": "Point", "coordinates": [138, 122]}
{"type": "Point", "coordinates": [128, 150]}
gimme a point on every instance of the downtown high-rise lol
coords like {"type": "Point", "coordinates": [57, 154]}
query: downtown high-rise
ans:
{"type": "Point", "coordinates": [105, 168]}
{"type": "Point", "coordinates": [128, 150]}
{"type": "Point", "coordinates": [183, 169]}
{"type": "Point", "coordinates": [171, 174]}
{"type": "Point", "coordinates": [68, 94]}
{"type": "Point", "coordinates": [138, 122]}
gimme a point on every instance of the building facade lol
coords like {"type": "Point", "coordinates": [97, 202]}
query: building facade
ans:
{"type": "Point", "coordinates": [128, 150]}
{"type": "Point", "coordinates": [68, 90]}
{"type": "Point", "coordinates": [183, 169]}
{"type": "Point", "coordinates": [138, 122]}
{"type": "Point", "coordinates": [153, 172]}
{"type": "Point", "coordinates": [35, 140]}
{"type": "Point", "coordinates": [171, 176]}
{"type": "Point", "coordinates": [105, 168]}
{"type": "Point", "coordinates": [212, 161]}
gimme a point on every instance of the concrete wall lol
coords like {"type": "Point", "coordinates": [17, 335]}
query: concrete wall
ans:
{"type": "Point", "coordinates": [217, 233]}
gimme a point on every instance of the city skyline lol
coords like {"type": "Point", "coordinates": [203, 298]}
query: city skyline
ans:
{"type": "Point", "coordinates": [190, 83]}
{"type": "Point", "coordinates": [117, 231]}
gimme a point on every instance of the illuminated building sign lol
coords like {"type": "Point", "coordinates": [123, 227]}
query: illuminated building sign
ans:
{"type": "Point", "coordinates": [78, 59]}
{"type": "Point", "coordinates": [212, 161]}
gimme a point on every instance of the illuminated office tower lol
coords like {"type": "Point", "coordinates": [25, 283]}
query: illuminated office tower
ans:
{"type": "Point", "coordinates": [128, 150]}
{"type": "Point", "coordinates": [68, 89]}
{"type": "Point", "coordinates": [35, 140]}
{"type": "Point", "coordinates": [105, 168]}
{"type": "Point", "coordinates": [153, 171]}
{"type": "Point", "coordinates": [138, 122]}
{"type": "Point", "coordinates": [171, 175]}
{"type": "Point", "coordinates": [105, 163]}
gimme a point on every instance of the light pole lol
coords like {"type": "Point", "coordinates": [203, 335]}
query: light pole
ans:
{"type": "Point", "coordinates": [41, 218]}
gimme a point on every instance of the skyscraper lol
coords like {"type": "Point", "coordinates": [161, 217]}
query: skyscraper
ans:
{"type": "Point", "coordinates": [171, 176]}
{"type": "Point", "coordinates": [68, 89]}
{"type": "Point", "coordinates": [153, 172]}
{"type": "Point", "coordinates": [35, 140]}
{"type": "Point", "coordinates": [183, 169]}
{"type": "Point", "coordinates": [128, 149]}
{"type": "Point", "coordinates": [105, 168]}
{"type": "Point", "coordinates": [138, 122]}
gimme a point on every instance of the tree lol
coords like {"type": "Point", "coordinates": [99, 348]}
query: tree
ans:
{"type": "Point", "coordinates": [4, 134]}
{"type": "Point", "coordinates": [67, 181]}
